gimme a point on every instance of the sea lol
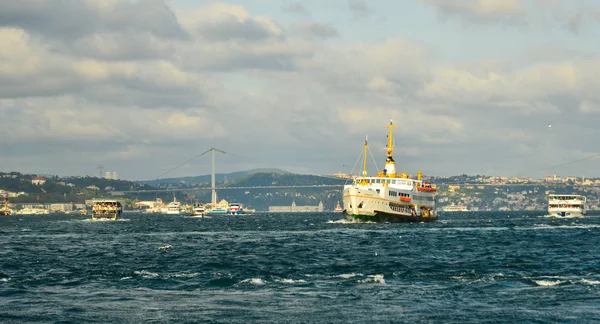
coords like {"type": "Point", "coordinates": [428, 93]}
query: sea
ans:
{"type": "Point", "coordinates": [467, 267]}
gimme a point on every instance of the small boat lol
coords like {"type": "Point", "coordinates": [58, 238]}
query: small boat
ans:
{"type": "Point", "coordinates": [198, 210]}
{"type": "Point", "coordinates": [235, 209]}
{"type": "Point", "coordinates": [338, 208]}
{"type": "Point", "coordinates": [174, 207]}
{"type": "Point", "coordinates": [567, 205]}
{"type": "Point", "coordinates": [106, 209]}
{"type": "Point", "coordinates": [6, 211]}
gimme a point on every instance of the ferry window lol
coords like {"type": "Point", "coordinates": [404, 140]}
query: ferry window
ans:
{"type": "Point", "coordinates": [377, 190]}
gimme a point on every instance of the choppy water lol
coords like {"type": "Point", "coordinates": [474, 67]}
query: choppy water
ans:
{"type": "Point", "coordinates": [299, 268]}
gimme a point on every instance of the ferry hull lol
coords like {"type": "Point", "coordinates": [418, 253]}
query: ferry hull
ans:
{"type": "Point", "coordinates": [105, 216]}
{"type": "Point", "coordinates": [216, 211]}
{"type": "Point", "coordinates": [566, 212]}
{"type": "Point", "coordinates": [368, 206]}
{"type": "Point", "coordinates": [382, 217]}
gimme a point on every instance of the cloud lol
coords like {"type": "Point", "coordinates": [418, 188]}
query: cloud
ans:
{"type": "Point", "coordinates": [73, 19]}
{"type": "Point", "coordinates": [359, 8]}
{"type": "Point", "coordinates": [225, 22]}
{"type": "Point", "coordinates": [571, 15]}
{"type": "Point", "coordinates": [314, 30]}
{"type": "Point", "coordinates": [481, 11]}
{"type": "Point", "coordinates": [296, 8]}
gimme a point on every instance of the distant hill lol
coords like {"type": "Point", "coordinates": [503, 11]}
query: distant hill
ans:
{"type": "Point", "coordinates": [265, 179]}
{"type": "Point", "coordinates": [219, 177]}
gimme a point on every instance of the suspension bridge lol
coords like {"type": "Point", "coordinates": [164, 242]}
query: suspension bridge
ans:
{"type": "Point", "coordinates": [213, 188]}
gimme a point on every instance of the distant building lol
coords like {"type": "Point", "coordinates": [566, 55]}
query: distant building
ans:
{"type": "Point", "coordinates": [61, 207]}
{"type": "Point", "coordinates": [38, 181]}
{"type": "Point", "coordinates": [115, 175]}
{"type": "Point", "coordinates": [107, 175]}
{"type": "Point", "coordinates": [296, 209]}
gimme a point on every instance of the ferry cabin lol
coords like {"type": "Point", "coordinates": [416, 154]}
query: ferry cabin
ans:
{"type": "Point", "coordinates": [566, 205]}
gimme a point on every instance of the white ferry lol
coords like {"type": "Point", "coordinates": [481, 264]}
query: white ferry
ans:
{"type": "Point", "coordinates": [173, 207]}
{"type": "Point", "coordinates": [198, 210]}
{"type": "Point", "coordinates": [389, 197]}
{"type": "Point", "coordinates": [566, 205]}
{"type": "Point", "coordinates": [106, 209]}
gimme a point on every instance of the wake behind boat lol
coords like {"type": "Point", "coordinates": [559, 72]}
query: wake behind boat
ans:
{"type": "Point", "coordinates": [389, 197]}
{"type": "Point", "coordinates": [566, 205]}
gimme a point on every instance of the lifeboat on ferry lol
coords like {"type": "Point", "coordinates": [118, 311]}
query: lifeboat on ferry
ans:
{"type": "Point", "coordinates": [405, 199]}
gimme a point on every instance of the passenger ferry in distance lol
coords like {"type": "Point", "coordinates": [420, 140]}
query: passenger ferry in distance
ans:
{"type": "Point", "coordinates": [174, 207]}
{"type": "Point", "coordinates": [567, 205]}
{"type": "Point", "coordinates": [389, 197]}
{"type": "Point", "coordinates": [106, 209]}
{"type": "Point", "coordinates": [198, 210]}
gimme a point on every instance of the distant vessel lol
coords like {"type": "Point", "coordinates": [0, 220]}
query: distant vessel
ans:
{"type": "Point", "coordinates": [106, 209]}
{"type": "Point", "coordinates": [173, 207]}
{"type": "Point", "coordinates": [198, 210]}
{"type": "Point", "coordinates": [34, 211]}
{"type": "Point", "coordinates": [567, 205]}
{"type": "Point", "coordinates": [389, 197]}
{"type": "Point", "coordinates": [220, 208]}
{"type": "Point", "coordinates": [5, 210]}
{"type": "Point", "coordinates": [338, 208]}
{"type": "Point", "coordinates": [235, 209]}
{"type": "Point", "coordinates": [455, 208]}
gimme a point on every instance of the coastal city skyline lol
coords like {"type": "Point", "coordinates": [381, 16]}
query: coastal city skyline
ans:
{"type": "Point", "coordinates": [475, 87]}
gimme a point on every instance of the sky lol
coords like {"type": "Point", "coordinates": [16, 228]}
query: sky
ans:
{"type": "Point", "coordinates": [142, 87]}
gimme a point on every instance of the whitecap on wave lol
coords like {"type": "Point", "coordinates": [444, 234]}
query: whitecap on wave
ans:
{"type": "Point", "coordinates": [254, 281]}
{"type": "Point", "coordinates": [349, 275]}
{"type": "Point", "coordinates": [291, 281]}
{"type": "Point", "coordinates": [378, 278]}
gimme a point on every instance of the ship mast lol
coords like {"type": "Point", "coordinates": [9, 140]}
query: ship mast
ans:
{"type": "Point", "coordinates": [390, 145]}
{"type": "Point", "coordinates": [390, 165]}
{"type": "Point", "coordinates": [365, 156]}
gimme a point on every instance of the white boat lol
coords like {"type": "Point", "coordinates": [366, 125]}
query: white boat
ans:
{"type": "Point", "coordinates": [389, 197]}
{"type": "Point", "coordinates": [566, 205]}
{"type": "Point", "coordinates": [235, 209]}
{"type": "Point", "coordinates": [198, 210]}
{"type": "Point", "coordinates": [106, 209]}
{"type": "Point", "coordinates": [34, 211]}
{"type": "Point", "coordinates": [455, 208]}
{"type": "Point", "coordinates": [173, 207]}
{"type": "Point", "coordinates": [338, 208]}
